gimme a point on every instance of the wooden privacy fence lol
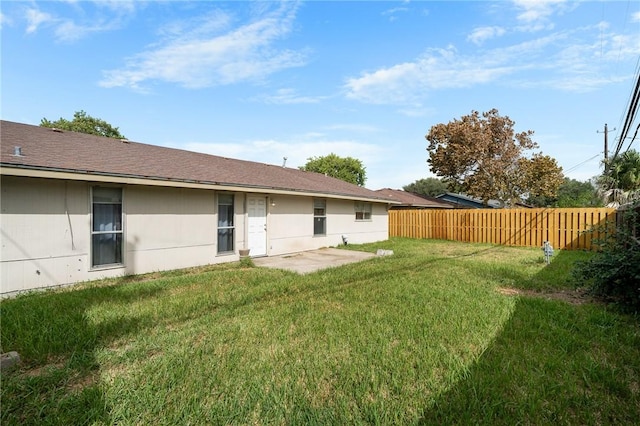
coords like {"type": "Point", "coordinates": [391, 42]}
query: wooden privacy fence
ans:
{"type": "Point", "coordinates": [564, 228]}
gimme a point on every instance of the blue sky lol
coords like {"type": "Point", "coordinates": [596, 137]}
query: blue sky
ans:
{"type": "Point", "coordinates": [265, 80]}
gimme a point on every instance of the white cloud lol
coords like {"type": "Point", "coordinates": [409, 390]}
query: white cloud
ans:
{"type": "Point", "coordinates": [536, 10]}
{"type": "Point", "coordinates": [201, 59]}
{"type": "Point", "coordinates": [621, 46]}
{"type": "Point", "coordinates": [436, 69]}
{"type": "Point", "coordinates": [635, 17]}
{"type": "Point", "coordinates": [482, 34]}
{"type": "Point", "coordinates": [35, 18]}
{"type": "Point", "coordinates": [581, 67]}
{"type": "Point", "coordinates": [107, 16]}
{"type": "Point", "coordinates": [405, 172]}
{"type": "Point", "coordinates": [393, 12]}
{"type": "Point", "coordinates": [68, 30]}
{"type": "Point", "coordinates": [382, 167]}
{"type": "Point", "coordinates": [573, 61]}
{"type": "Point", "coordinates": [4, 20]}
{"type": "Point", "coordinates": [355, 128]}
{"type": "Point", "coordinates": [387, 164]}
{"type": "Point", "coordinates": [297, 151]}
{"type": "Point", "coordinates": [535, 15]}
{"type": "Point", "coordinates": [584, 83]}
{"type": "Point", "coordinates": [416, 111]}
{"type": "Point", "coordinates": [288, 97]}
{"type": "Point", "coordinates": [203, 26]}
{"type": "Point", "coordinates": [120, 6]}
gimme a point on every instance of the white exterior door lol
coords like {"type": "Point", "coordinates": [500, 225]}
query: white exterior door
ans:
{"type": "Point", "coordinates": [257, 229]}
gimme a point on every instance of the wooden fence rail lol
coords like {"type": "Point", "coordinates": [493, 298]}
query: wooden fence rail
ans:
{"type": "Point", "coordinates": [564, 228]}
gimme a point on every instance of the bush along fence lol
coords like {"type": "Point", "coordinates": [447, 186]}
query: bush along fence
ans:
{"type": "Point", "coordinates": [564, 228]}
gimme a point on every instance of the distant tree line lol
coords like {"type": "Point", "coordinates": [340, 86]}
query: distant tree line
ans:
{"type": "Point", "coordinates": [570, 193]}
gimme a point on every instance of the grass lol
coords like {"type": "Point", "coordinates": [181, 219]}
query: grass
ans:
{"type": "Point", "coordinates": [438, 333]}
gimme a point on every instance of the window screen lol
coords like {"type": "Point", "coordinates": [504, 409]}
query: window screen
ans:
{"type": "Point", "coordinates": [106, 226]}
{"type": "Point", "coordinates": [363, 211]}
{"type": "Point", "coordinates": [226, 229]}
{"type": "Point", "coordinates": [319, 217]}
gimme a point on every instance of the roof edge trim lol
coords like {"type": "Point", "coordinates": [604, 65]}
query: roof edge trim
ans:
{"type": "Point", "coordinates": [9, 169]}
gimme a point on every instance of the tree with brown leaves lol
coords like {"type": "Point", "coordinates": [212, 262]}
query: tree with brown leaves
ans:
{"type": "Point", "coordinates": [486, 158]}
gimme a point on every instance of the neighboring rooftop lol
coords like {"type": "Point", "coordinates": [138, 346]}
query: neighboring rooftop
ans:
{"type": "Point", "coordinates": [36, 148]}
{"type": "Point", "coordinates": [408, 199]}
{"type": "Point", "coordinates": [463, 200]}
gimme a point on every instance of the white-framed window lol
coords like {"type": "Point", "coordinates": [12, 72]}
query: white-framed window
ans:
{"type": "Point", "coordinates": [106, 227]}
{"type": "Point", "coordinates": [363, 211]}
{"type": "Point", "coordinates": [319, 217]}
{"type": "Point", "coordinates": [226, 226]}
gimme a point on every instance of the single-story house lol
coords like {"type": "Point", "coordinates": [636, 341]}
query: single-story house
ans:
{"type": "Point", "coordinates": [78, 207]}
{"type": "Point", "coordinates": [409, 200]}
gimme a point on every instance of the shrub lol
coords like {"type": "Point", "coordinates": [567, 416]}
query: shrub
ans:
{"type": "Point", "coordinates": [614, 272]}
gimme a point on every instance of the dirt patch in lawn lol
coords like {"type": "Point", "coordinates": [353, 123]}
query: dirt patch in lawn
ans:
{"type": "Point", "coordinates": [53, 363]}
{"type": "Point", "coordinates": [574, 297]}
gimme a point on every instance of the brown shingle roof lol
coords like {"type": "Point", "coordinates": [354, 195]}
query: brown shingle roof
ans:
{"type": "Point", "coordinates": [413, 200]}
{"type": "Point", "coordinates": [54, 150]}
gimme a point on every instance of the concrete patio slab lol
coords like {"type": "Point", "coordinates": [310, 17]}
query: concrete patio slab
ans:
{"type": "Point", "coordinates": [311, 261]}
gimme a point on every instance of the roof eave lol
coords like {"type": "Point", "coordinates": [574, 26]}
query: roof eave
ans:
{"type": "Point", "coordinates": [10, 169]}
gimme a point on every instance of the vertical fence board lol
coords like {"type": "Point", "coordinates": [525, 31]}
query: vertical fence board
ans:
{"type": "Point", "coordinates": [563, 229]}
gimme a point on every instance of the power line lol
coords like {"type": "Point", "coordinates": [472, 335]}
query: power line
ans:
{"type": "Point", "coordinates": [630, 117]}
{"type": "Point", "coordinates": [631, 114]}
{"type": "Point", "coordinates": [633, 138]}
{"type": "Point", "coordinates": [570, 169]}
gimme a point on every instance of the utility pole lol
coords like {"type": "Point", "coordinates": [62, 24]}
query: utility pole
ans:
{"type": "Point", "coordinates": [606, 144]}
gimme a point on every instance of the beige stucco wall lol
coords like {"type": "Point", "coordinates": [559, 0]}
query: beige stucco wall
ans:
{"type": "Point", "coordinates": [290, 224]}
{"type": "Point", "coordinates": [45, 230]}
{"type": "Point", "coordinates": [171, 228]}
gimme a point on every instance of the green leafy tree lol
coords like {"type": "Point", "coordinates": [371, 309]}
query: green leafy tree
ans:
{"type": "Point", "coordinates": [614, 271]}
{"type": "Point", "coordinates": [625, 170]}
{"type": "Point", "coordinates": [347, 169]}
{"type": "Point", "coordinates": [84, 123]}
{"type": "Point", "coordinates": [429, 186]}
{"type": "Point", "coordinates": [483, 156]}
{"type": "Point", "coordinates": [620, 184]}
{"type": "Point", "coordinates": [571, 193]}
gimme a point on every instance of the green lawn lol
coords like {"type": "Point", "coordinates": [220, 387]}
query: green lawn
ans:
{"type": "Point", "coordinates": [438, 333]}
